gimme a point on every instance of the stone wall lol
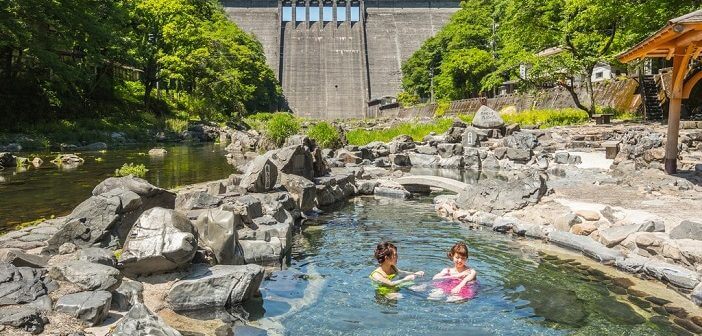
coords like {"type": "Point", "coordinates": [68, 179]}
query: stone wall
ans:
{"type": "Point", "coordinates": [621, 94]}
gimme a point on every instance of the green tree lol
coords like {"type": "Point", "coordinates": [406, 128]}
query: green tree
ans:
{"type": "Point", "coordinates": [467, 36]}
{"type": "Point", "coordinates": [583, 33]}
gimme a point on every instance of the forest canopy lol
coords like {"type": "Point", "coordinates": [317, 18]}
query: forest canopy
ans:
{"type": "Point", "coordinates": [486, 41]}
{"type": "Point", "coordinates": [66, 59]}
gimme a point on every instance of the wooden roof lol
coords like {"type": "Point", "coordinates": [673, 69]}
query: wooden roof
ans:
{"type": "Point", "coordinates": [679, 33]}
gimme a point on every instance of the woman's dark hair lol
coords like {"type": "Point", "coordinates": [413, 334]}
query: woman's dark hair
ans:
{"type": "Point", "coordinates": [460, 249]}
{"type": "Point", "coordinates": [384, 251]}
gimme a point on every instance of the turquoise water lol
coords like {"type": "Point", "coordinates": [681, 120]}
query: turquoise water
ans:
{"type": "Point", "coordinates": [326, 290]}
{"type": "Point", "coordinates": [31, 193]}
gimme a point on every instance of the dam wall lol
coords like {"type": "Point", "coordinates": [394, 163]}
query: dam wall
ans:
{"type": "Point", "coordinates": [333, 56]}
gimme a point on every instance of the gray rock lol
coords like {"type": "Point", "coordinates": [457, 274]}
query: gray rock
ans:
{"type": "Point", "coordinates": [422, 160]}
{"type": "Point", "coordinates": [454, 162]}
{"type": "Point", "coordinates": [157, 152]}
{"type": "Point", "coordinates": [504, 225]}
{"type": "Point", "coordinates": [216, 229]}
{"type": "Point", "coordinates": [261, 175]}
{"type": "Point", "coordinates": [565, 222]}
{"type": "Point", "coordinates": [519, 155]}
{"type": "Point", "coordinates": [366, 187]}
{"type": "Point", "coordinates": [216, 286]}
{"type": "Point", "coordinates": [295, 160]}
{"type": "Point", "coordinates": [266, 252]}
{"type": "Point", "coordinates": [346, 156]}
{"type": "Point", "coordinates": [197, 200]}
{"type": "Point", "coordinates": [490, 162]}
{"type": "Point", "coordinates": [676, 275]}
{"type": "Point", "coordinates": [585, 245]}
{"type": "Point", "coordinates": [140, 321]}
{"type": "Point", "coordinates": [687, 230]}
{"type": "Point", "coordinates": [449, 149]}
{"type": "Point", "coordinates": [128, 294]}
{"type": "Point", "coordinates": [697, 294]}
{"type": "Point", "coordinates": [400, 160]}
{"type": "Point", "coordinates": [87, 275]}
{"type": "Point", "coordinates": [25, 317]}
{"type": "Point", "coordinates": [653, 226]}
{"type": "Point", "coordinates": [109, 214]}
{"type": "Point", "coordinates": [18, 258]}
{"type": "Point", "coordinates": [521, 140]}
{"type": "Point", "coordinates": [302, 190]}
{"type": "Point", "coordinates": [67, 248]}
{"type": "Point", "coordinates": [633, 263]}
{"type": "Point", "coordinates": [160, 240]}
{"type": "Point", "coordinates": [392, 192]}
{"type": "Point", "coordinates": [427, 150]}
{"type": "Point", "coordinates": [20, 284]}
{"type": "Point", "coordinates": [248, 207]}
{"type": "Point", "coordinates": [498, 196]}
{"type": "Point", "coordinates": [454, 134]}
{"type": "Point", "coordinates": [91, 307]}
{"type": "Point", "coordinates": [561, 157]}
{"type": "Point", "coordinates": [614, 235]}
{"type": "Point", "coordinates": [487, 118]}
{"type": "Point", "coordinates": [98, 256]}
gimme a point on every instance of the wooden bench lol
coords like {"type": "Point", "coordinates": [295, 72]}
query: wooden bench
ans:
{"type": "Point", "coordinates": [601, 119]}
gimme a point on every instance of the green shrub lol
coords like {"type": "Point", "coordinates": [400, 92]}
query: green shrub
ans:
{"type": "Point", "coordinates": [416, 130]}
{"type": "Point", "coordinates": [176, 125]}
{"type": "Point", "coordinates": [127, 169]}
{"type": "Point", "coordinates": [325, 135]}
{"type": "Point", "coordinates": [547, 118]}
{"type": "Point", "coordinates": [466, 118]}
{"type": "Point", "coordinates": [258, 121]}
{"type": "Point", "coordinates": [441, 108]}
{"type": "Point", "coordinates": [407, 99]}
{"type": "Point", "coordinates": [280, 126]}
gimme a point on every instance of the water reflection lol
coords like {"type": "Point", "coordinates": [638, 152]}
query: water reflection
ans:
{"type": "Point", "coordinates": [30, 193]}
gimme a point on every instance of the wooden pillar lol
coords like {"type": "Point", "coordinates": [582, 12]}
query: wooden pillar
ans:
{"type": "Point", "coordinates": [680, 64]}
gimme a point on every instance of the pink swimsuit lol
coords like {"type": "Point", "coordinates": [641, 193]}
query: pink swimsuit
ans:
{"type": "Point", "coordinates": [467, 292]}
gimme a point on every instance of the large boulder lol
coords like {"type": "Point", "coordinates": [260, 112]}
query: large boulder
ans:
{"type": "Point", "coordinates": [295, 160]}
{"type": "Point", "coordinates": [217, 286]}
{"type": "Point", "coordinates": [87, 275]}
{"type": "Point", "coordinates": [585, 245]}
{"type": "Point", "coordinates": [498, 197]}
{"type": "Point", "coordinates": [21, 284]}
{"type": "Point", "coordinates": [217, 230]}
{"type": "Point", "coordinates": [487, 118]}
{"type": "Point", "coordinates": [302, 190]}
{"type": "Point", "coordinates": [261, 175]}
{"type": "Point", "coordinates": [107, 216]}
{"type": "Point", "coordinates": [91, 307]}
{"type": "Point", "coordinates": [197, 200]}
{"type": "Point", "coordinates": [160, 240]}
{"type": "Point", "coordinates": [140, 321]}
{"type": "Point", "coordinates": [687, 230]}
{"type": "Point", "coordinates": [128, 294]}
{"type": "Point", "coordinates": [24, 317]}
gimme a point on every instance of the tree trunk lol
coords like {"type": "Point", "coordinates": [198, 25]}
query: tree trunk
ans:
{"type": "Point", "coordinates": [591, 92]}
{"type": "Point", "coordinates": [7, 62]}
{"type": "Point", "coordinates": [575, 97]}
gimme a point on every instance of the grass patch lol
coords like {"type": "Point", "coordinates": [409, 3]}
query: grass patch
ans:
{"type": "Point", "coordinates": [416, 130]}
{"type": "Point", "coordinates": [325, 135]}
{"type": "Point", "coordinates": [276, 126]}
{"type": "Point", "coordinates": [127, 169]}
{"type": "Point", "coordinates": [547, 117]}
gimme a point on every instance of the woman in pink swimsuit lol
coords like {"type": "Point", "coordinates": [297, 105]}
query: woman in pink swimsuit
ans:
{"type": "Point", "coordinates": [457, 282]}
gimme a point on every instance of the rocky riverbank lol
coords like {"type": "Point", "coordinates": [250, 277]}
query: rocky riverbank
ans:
{"type": "Point", "coordinates": [134, 259]}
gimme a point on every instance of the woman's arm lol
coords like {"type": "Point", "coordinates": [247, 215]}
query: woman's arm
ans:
{"type": "Point", "coordinates": [444, 274]}
{"type": "Point", "coordinates": [468, 278]}
{"type": "Point", "coordinates": [406, 273]}
{"type": "Point", "coordinates": [380, 278]}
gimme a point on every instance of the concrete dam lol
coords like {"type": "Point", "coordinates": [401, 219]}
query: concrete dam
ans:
{"type": "Point", "coordinates": [333, 56]}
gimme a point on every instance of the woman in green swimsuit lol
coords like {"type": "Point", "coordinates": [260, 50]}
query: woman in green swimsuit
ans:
{"type": "Point", "coordinates": [383, 276]}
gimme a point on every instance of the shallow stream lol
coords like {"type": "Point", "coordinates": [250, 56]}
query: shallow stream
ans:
{"type": "Point", "coordinates": [31, 193]}
{"type": "Point", "coordinates": [326, 289]}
